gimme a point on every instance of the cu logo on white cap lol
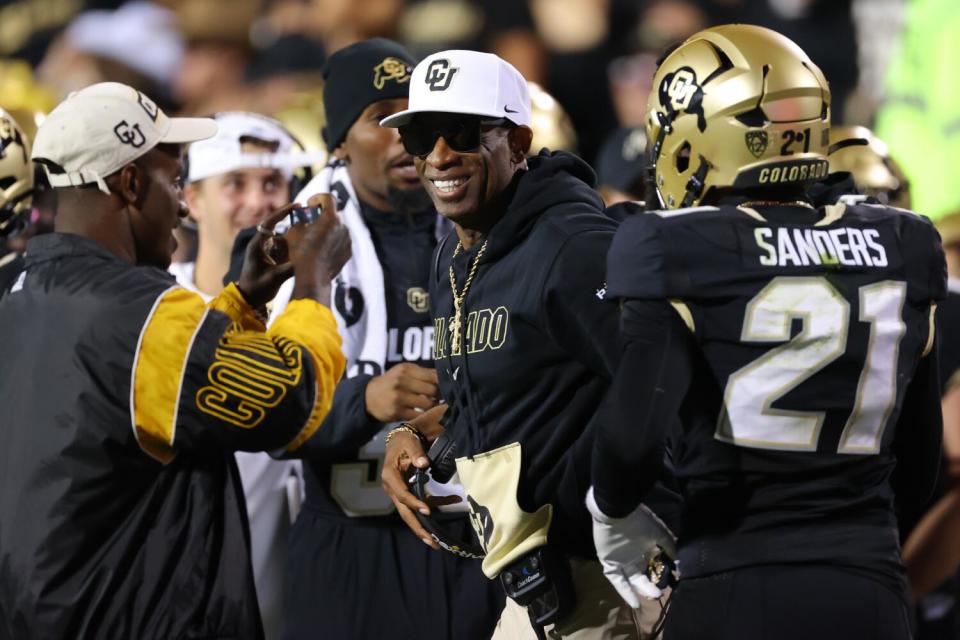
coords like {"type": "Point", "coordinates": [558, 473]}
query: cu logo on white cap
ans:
{"type": "Point", "coordinates": [130, 135]}
{"type": "Point", "coordinates": [440, 74]}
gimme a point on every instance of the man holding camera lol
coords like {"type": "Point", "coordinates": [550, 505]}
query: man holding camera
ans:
{"type": "Point", "coordinates": [125, 395]}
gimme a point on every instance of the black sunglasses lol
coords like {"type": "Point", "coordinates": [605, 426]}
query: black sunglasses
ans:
{"type": "Point", "coordinates": [460, 132]}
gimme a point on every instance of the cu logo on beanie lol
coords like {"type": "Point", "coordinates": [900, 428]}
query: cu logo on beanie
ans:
{"type": "Point", "coordinates": [440, 74]}
{"type": "Point", "coordinates": [390, 69]}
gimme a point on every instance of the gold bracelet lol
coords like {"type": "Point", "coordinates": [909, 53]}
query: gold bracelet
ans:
{"type": "Point", "coordinates": [404, 427]}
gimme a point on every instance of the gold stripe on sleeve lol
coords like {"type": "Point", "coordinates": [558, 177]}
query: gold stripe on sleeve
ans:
{"type": "Point", "coordinates": [312, 325]}
{"type": "Point", "coordinates": [158, 369]}
{"type": "Point", "coordinates": [230, 302]}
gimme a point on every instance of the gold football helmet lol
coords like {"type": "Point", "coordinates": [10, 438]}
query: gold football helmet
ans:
{"type": "Point", "coordinates": [736, 106]}
{"type": "Point", "coordinates": [16, 175]}
{"type": "Point", "coordinates": [857, 151]}
{"type": "Point", "coordinates": [552, 127]}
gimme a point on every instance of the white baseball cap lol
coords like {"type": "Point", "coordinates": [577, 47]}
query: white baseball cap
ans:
{"type": "Point", "coordinates": [469, 82]}
{"type": "Point", "coordinates": [101, 128]}
{"type": "Point", "coordinates": [224, 153]}
{"type": "Point", "coordinates": [140, 35]}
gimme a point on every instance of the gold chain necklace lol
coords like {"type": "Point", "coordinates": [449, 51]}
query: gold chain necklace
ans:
{"type": "Point", "coordinates": [458, 298]}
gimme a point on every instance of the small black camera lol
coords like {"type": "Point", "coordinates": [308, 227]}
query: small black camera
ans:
{"type": "Point", "coordinates": [304, 215]}
{"type": "Point", "coordinates": [541, 581]}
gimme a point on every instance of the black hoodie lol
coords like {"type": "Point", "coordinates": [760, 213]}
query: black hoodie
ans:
{"type": "Point", "coordinates": [540, 342]}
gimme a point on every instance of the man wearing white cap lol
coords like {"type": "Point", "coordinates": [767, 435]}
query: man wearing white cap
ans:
{"type": "Point", "coordinates": [125, 396]}
{"type": "Point", "coordinates": [525, 345]}
{"type": "Point", "coordinates": [234, 181]}
{"type": "Point", "coordinates": [348, 543]}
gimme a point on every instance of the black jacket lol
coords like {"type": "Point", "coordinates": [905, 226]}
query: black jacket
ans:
{"type": "Point", "coordinates": [541, 344]}
{"type": "Point", "coordinates": [11, 265]}
{"type": "Point", "coordinates": [123, 396]}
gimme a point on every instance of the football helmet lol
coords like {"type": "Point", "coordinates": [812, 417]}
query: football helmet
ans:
{"type": "Point", "coordinates": [303, 118]}
{"type": "Point", "coordinates": [859, 152]}
{"type": "Point", "coordinates": [16, 176]}
{"type": "Point", "coordinates": [552, 127]}
{"type": "Point", "coordinates": [736, 106]}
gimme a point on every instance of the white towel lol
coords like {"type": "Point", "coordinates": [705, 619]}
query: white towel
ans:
{"type": "Point", "coordinates": [358, 300]}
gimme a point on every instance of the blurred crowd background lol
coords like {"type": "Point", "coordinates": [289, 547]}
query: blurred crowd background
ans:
{"type": "Point", "coordinates": [889, 62]}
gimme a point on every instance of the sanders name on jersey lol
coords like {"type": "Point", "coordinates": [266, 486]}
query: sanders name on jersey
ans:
{"type": "Point", "coordinates": [797, 247]}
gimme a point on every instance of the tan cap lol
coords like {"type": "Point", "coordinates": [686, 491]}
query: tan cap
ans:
{"type": "Point", "coordinates": [99, 129]}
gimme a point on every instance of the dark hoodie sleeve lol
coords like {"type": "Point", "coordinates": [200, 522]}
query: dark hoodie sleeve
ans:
{"type": "Point", "coordinates": [346, 428]}
{"type": "Point", "coordinates": [573, 305]}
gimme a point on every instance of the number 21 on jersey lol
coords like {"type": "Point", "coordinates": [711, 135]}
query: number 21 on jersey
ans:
{"type": "Point", "coordinates": [749, 418]}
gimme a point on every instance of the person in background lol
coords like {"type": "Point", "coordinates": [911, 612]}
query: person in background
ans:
{"type": "Point", "coordinates": [621, 165]}
{"type": "Point", "coordinates": [234, 180]}
{"type": "Point", "coordinates": [348, 542]}
{"type": "Point", "coordinates": [929, 549]}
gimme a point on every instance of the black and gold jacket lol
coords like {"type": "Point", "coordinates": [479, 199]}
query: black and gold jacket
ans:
{"type": "Point", "coordinates": [123, 398]}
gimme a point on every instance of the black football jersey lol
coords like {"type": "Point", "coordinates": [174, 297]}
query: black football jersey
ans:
{"type": "Point", "coordinates": [808, 326]}
{"type": "Point", "coordinates": [948, 321]}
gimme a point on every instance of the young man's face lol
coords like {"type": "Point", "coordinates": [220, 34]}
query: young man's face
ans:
{"type": "Point", "coordinates": [223, 205]}
{"type": "Point", "coordinates": [462, 183]}
{"type": "Point", "coordinates": [376, 161]}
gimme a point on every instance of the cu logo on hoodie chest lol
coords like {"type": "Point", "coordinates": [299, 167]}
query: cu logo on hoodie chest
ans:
{"type": "Point", "coordinates": [484, 330]}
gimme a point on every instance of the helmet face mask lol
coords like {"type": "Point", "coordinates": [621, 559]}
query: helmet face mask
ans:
{"type": "Point", "coordinates": [736, 107]}
{"type": "Point", "coordinates": [16, 176]}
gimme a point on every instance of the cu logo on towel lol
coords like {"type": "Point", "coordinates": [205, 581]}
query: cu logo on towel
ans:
{"type": "Point", "coordinates": [440, 74]}
{"type": "Point", "coordinates": [130, 135]}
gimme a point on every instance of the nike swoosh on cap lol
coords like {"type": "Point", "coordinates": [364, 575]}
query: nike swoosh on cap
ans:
{"type": "Point", "coordinates": [509, 110]}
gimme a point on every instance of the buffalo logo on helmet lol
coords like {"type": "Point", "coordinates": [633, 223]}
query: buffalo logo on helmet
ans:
{"type": "Point", "coordinates": [440, 74]}
{"type": "Point", "coordinates": [130, 135]}
{"type": "Point", "coordinates": [679, 92]}
{"type": "Point", "coordinates": [757, 142]}
{"type": "Point", "coordinates": [390, 69]}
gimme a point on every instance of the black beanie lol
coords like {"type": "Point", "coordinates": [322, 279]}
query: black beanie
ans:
{"type": "Point", "coordinates": [359, 75]}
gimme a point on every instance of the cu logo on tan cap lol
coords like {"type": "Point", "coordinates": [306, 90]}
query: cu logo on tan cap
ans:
{"type": "Point", "coordinates": [129, 135]}
{"type": "Point", "coordinates": [440, 74]}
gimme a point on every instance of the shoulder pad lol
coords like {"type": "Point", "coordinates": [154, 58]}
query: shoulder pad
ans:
{"type": "Point", "coordinates": [635, 262]}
